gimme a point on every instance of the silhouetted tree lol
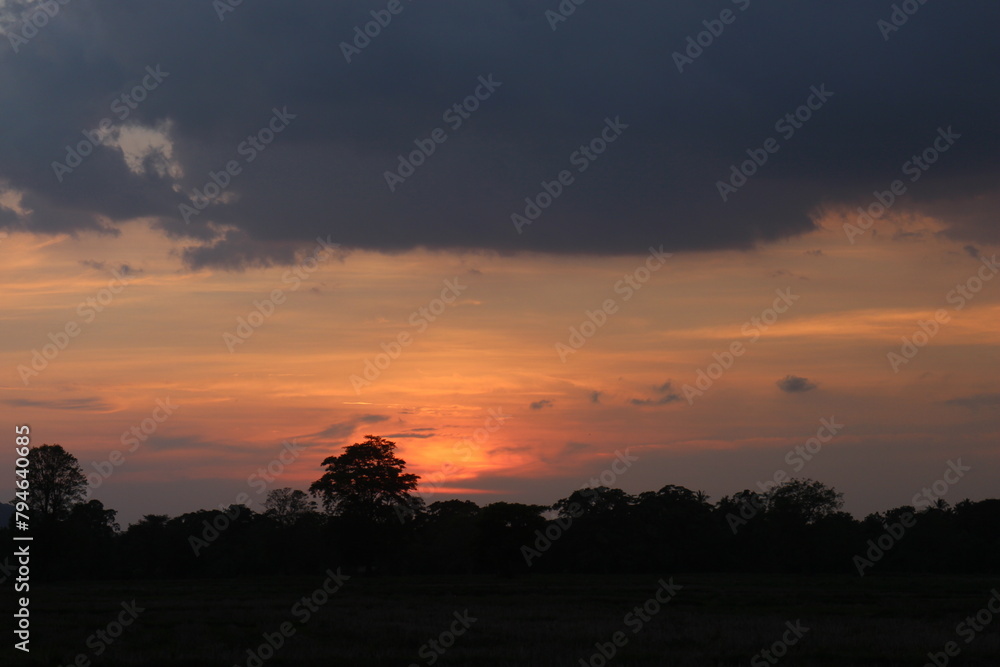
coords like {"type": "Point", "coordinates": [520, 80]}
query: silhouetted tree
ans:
{"type": "Point", "coordinates": [363, 489]}
{"type": "Point", "coordinates": [742, 517]}
{"type": "Point", "coordinates": [92, 518]}
{"type": "Point", "coordinates": [594, 532]}
{"type": "Point", "coordinates": [88, 533]}
{"type": "Point", "coordinates": [446, 534]}
{"type": "Point", "coordinates": [57, 482]}
{"type": "Point", "coordinates": [678, 522]}
{"type": "Point", "coordinates": [597, 502]}
{"type": "Point", "coordinates": [287, 506]}
{"type": "Point", "coordinates": [367, 480]}
{"type": "Point", "coordinates": [147, 545]}
{"type": "Point", "coordinates": [502, 530]}
{"type": "Point", "coordinates": [796, 527]}
{"type": "Point", "coordinates": [795, 510]}
{"type": "Point", "coordinates": [803, 500]}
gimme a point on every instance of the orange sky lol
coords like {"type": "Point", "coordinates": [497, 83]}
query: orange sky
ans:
{"type": "Point", "coordinates": [494, 349]}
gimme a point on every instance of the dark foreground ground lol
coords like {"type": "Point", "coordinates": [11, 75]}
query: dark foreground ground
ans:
{"type": "Point", "coordinates": [714, 620]}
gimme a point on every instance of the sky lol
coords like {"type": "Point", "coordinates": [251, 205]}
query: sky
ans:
{"type": "Point", "coordinates": [718, 243]}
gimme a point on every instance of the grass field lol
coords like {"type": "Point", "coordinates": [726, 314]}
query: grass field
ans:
{"type": "Point", "coordinates": [714, 620]}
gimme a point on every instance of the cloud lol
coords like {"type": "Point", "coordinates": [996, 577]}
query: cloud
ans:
{"type": "Point", "coordinates": [902, 235]}
{"type": "Point", "coordinates": [792, 384]}
{"type": "Point", "coordinates": [567, 451]}
{"type": "Point", "coordinates": [663, 400]}
{"type": "Point", "coordinates": [572, 447]}
{"type": "Point", "coordinates": [392, 436]}
{"type": "Point", "coordinates": [975, 402]}
{"type": "Point", "coordinates": [544, 403]}
{"type": "Point", "coordinates": [325, 172]}
{"type": "Point", "coordinates": [88, 404]}
{"type": "Point", "coordinates": [509, 449]}
{"type": "Point", "coordinates": [972, 251]}
{"type": "Point", "coordinates": [669, 396]}
{"type": "Point", "coordinates": [346, 428]}
{"type": "Point", "coordinates": [124, 269]}
{"type": "Point", "coordinates": [178, 443]}
{"type": "Point", "coordinates": [94, 264]}
{"type": "Point", "coordinates": [782, 273]}
{"type": "Point", "coordinates": [595, 397]}
{"type": "Point", "coordinates": [237, 250]}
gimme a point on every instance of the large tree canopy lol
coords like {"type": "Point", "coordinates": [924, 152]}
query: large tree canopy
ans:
{"type": "Point", "coordinates": [366, 480]}
{"type": "Point", "coordinates": [805, 500]}
{"type": "Point", "coordinates": [57, 482]}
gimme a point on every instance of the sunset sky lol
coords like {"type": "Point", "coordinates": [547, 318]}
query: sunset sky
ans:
{"type": "Point", "coordinates": [345, 262]}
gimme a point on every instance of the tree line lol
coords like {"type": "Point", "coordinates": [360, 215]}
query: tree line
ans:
{"type": "Point", "coordinates": [362, 514]}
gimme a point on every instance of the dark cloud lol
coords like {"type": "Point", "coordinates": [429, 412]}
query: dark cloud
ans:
{"type": "Point", "coordinates": [595, 397]}
{"type": "Point", "coordinates": [124, 269]}
{"type": "Point", "coordinates": [570, 449]}
{"type": "Point", "coordinates": [668, 396]}
{"type": "Point", "coordinates": [392, 436]}
{"type": "Point", "coordinates": [909, 236]}
{"type": "Point", "coordinates": [662, 400]}
{"type": "Point", "coordinates": [324, 172]}
{"type": "Point", "coordinates": [972, 251]}
{"type": "Point", "coordinates": [792, 384]}
{"type": "Point", "coordinates": [89, 404]}
{"type": "Point", "coordinates": [236, 249]}
{"type": "Point", "coordinates": [975, 402]}
{"type": "Point", "coordinates": [94, 264]}
{"type": "Point", "coordinates": [538, 405]}
{"type": "Point", "coordinates": [346, 428]}
{"type": "Point", "coordinates": [509, 449]}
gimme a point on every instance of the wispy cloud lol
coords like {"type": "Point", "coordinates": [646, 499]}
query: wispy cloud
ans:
{"type": "Point", "coordinates": [89, 404]}
{"type": "Point", "coordinates": [975, 402]}
{"type": "Point", "coordinates": [345, 428]}
{"type": "Point", "coordinates": [668, 396]}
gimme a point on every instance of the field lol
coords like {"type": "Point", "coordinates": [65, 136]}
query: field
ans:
{"type": "Point", "coordinates": [712, 620]}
